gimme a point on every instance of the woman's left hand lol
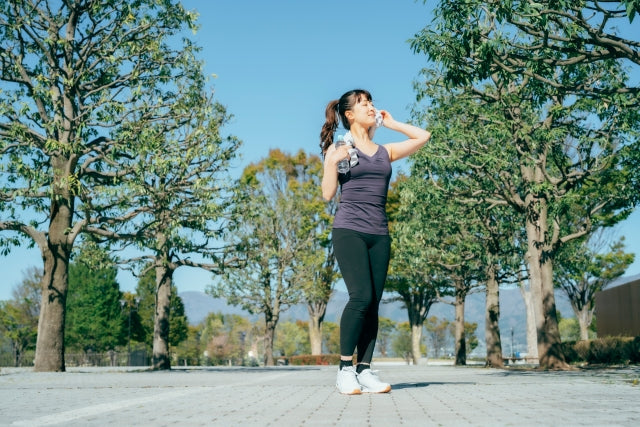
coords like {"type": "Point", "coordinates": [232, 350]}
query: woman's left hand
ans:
{"type": "Point", "coordinates": [387, 118]}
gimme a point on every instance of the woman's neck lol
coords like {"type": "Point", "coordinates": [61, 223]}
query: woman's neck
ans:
{"type": "Point", "coordinates": [360, 135]}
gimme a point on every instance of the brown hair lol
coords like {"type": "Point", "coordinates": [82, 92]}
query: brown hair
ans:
{"type": "Point", "coordinates": [335, 113]}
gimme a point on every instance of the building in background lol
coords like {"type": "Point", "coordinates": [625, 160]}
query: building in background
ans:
{"type": "Point", "coordinates": [618, 309]}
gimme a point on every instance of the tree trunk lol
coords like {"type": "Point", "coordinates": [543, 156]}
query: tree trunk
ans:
{"type": "Point", "coordinates": [584, 320]}
{"type": "Point", "coordinates": [461, 345]}
{"type": "Point", "coordinates": [492, 317]}
{"type": "Point", "coordinates": [532, 336]}
{"type": "Point", "coordinates": [17, 355]}
{"type": "Point", "coordinates": [161, 358]}
{"type": "Point", "coordinates": [50, 342]}
{"type": "Point", "coordinates": [416, 338]}
{"type": "Point", "coordinates": [317, 311]}
{"type": "Point", "coordinates": [269, 334]}
{"type": "Point", "coordinates": [553, 357]}
{"type": "Point", "coordinates": [315, 335]}
{"type": "Point", "coordinates": [541, 279]}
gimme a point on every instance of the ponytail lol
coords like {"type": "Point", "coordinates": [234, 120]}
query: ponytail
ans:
{"type": "Point", "coordinates": [330, 126]}
{"type": "Point", "coordinates": [335, 113]}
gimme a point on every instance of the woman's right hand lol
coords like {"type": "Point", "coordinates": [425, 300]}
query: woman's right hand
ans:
{"type": "Point", "coordinates": [330, 175]}
{"type": "Point", "coordinates": [335, 154]}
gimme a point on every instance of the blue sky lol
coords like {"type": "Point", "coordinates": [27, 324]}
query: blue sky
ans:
{"type": "Point", "coordinates": [278, 63]}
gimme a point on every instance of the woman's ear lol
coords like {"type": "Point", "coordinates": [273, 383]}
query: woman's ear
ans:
{"type": "Point", "coordinates": [349, 114]}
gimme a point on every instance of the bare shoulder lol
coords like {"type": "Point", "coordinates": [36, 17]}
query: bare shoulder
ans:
{"type": "Point", "coordinates": [392, 149]}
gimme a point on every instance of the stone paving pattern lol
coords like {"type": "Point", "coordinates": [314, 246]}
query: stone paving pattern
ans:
{"type": "Point", "coordinates": [306, 396]}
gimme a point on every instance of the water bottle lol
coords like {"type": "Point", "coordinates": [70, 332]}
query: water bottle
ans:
{"type": "Point", "coordinates": [343, 165]}
{"type": "Point", "coordinates": [379, 119]}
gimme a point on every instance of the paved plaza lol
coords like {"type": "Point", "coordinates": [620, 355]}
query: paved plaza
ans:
{"type": "Point", "coordinates": [306, 396]}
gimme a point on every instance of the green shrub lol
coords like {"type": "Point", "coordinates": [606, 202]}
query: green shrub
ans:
{"type": "Point", "coordinates": [569, 351]}
{"type": "Point", "coordinates": [582, 350]}
{"type": "Point", "coordinates": [607, 351]}
{"type": "Point", "coordinates": [315, 359]}
{"type": "Point", "coordinates": [634, 352]}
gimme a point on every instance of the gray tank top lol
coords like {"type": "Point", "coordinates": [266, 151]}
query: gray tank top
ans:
{"type": "Point", "coordinates": [363, 194]}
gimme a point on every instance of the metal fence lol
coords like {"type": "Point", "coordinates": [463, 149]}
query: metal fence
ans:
{"type": "Point", "coordinates": [108, 358]}
{"type": "Point", "coordinates": [8, 358]}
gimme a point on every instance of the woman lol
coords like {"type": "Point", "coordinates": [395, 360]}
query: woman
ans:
{"type": "Point", "coordinates": [360, 234]}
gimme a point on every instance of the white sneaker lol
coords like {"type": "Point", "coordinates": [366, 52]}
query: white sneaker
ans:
{"type": "Point", "coordinates": [347, 381]}
{"type": "Point", "coordinates": [371, 383]}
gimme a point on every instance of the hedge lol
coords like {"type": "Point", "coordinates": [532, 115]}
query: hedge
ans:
{"type": "Point", "coordinates": [314, 359]}
{"type": "Point", "coordinates": [608, 351]}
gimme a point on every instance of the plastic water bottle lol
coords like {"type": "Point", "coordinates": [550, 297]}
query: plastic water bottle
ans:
{"type": "Point", "coordinates": [379, 119]}
{"type": "Point", "coordinates": [343, 165]}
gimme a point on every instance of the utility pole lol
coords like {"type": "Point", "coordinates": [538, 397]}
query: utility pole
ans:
{"type": "Point", "coordinates": [512, 354]}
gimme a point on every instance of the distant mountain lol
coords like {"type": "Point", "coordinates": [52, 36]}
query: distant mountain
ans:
{"type": "Point", "coordinates": [512, 313]}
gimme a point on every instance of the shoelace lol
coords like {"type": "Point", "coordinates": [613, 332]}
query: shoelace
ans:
{"type": "Point", "coordinates": [373, 372]}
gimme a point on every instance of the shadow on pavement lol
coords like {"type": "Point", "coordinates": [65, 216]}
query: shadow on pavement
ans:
{"type": "Point", "coordinates": [401, 386]}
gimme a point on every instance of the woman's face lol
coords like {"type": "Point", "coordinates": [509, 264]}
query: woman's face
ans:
{"type": "Point", "coordinates": [364, 112]}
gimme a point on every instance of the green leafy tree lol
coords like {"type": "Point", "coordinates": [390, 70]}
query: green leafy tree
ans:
{"type": "Point", "coordinates": [174, 208]}
{"type": "Point", "coordinates": [321, 273]}
{"type": "Point", "coordinates": [189, 351]}
{"type": "Point", "coordinates": [143, 328]}
{"type": "Point", "coordinates": [563, 35]}
{"type": "Point", "coordinates": [455, 246]}
{"type": "Point", "coordinates": [82, 82]}
{"type": "Point", "coordinates": [228, 338]}
{"type": "Point", "coordinates": [331, 337]}
{"type": "Point", "coordinates": [471, 340]}
{"type": "Point", "coordinates": [585, 268]}
{"type": "Point", "coordinates": [27, 292]}
{"type": "Point", "coordinates": [94, 320]}
{"type": "Point", "coordinates": [416, 281]}
{"type": "Point", "coordinates": [566, 143]}
{"type": "Point", "coordinates": [386, 329]}
{"type": "Point", "coordinates": [471, 238]}
{"type": "Point", "coordinates": [441, 235]}
{"type": "Point", "coordinates": [143, 305]}
{"type": "Point", "coordinates": [292, 338]}
{"type": "Point", "coordinates": [316, 266]}
{"type": "Point", "coordinates": [274, 238]}
{"type": "Point", "coordinates": [461, 287]}
{"type": "Point", "coordinates": [569, 328]}
{"type": "Point", "coordinates": [13, 329]}
{"type": "Point", "coordinates": [179, 324]}
{"type": "Point", "coordinates": [438, 331]}
{"type": "Point", "coordinates": [19, 316]}
{"type": "Point", "coordinates": [174, 205]}
{"type": "Point", "coordinates": [402, 343]}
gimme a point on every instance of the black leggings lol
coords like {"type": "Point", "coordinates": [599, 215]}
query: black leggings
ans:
{"type": "Point", "coordinates": [363, 260]}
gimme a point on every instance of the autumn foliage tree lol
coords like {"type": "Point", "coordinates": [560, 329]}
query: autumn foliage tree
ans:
{"type": "Point", "coordinates": [275, 235]}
